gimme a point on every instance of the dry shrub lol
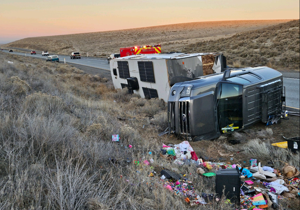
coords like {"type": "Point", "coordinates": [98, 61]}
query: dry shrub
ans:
{"type": "Point", "coordinates": [121, 95]}
{"type": "Point", "coordinates": [237, 64]}
{"type": "Point", "coordinates": [138, 101]}
{"type": "Point", "coordinates": [18, 86]}
{"type": "Point", "coordinates": [102, 89]}
{"type": "Point", "coordinates": [152, 107]}
{"type": "Point", "coordinates": [129, 134]}
{"type": "Point", "coordinates": [44, 104]}
{"type": "Point", "coordinates": [94, 130]}
{"type": "Point", "coordinates": [160, 120]}
{"type": "Point", "coordinates": [95, 204]}
{"type": "Point", "coordinates": [264, 151]}
{"type": "Point", "coordinates": [66, 69]}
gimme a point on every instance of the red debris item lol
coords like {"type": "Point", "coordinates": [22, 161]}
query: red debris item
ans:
{"type": "Point", "coordinates": [194, 156]}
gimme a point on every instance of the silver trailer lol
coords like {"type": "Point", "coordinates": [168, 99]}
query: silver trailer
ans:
{"type": "Point", "coordinates": [227, 101]}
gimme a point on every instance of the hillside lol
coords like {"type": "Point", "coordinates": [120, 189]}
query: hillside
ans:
{"type": "Point", "coordinates": [172, 37]}
{"type": "Point", "coordinates": [276, 46]}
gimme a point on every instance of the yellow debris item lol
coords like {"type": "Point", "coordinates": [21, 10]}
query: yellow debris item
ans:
{"type": "Point", "coordinates": [282, 144]}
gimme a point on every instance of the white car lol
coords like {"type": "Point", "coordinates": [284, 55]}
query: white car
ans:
{"type": "Point", "coordinates": [45, 53]}
{"type": "Point", "coordinates": [75, 55]}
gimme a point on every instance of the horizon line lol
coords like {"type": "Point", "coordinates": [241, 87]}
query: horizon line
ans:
{"type": "Point", "coordinates": [150, 27]}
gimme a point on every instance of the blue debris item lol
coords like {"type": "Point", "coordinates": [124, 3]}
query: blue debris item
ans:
{"type": "Point", "coordinates": [246, 172]}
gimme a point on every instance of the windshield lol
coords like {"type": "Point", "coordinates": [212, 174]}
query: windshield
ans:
{"type": "Point", "coordinates": [230, 106]}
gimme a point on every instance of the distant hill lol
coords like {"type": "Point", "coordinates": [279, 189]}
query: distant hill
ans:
{"type": "Point", "coordinates": [174, 37]}
{"type": "Point", "coordinates": [276, 46]}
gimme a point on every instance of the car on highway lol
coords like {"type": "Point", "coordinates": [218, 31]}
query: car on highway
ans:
{"type": "Point", "coordinates": [75, 55]}
{"type": "Point", "coordinates": [33, 53]}
{"type": "Point", "coordinates": [54, 58]}
{"type": "Point", "coordinates": [45, 53]}
{"type": "Point", "coordinates": [10, 51]}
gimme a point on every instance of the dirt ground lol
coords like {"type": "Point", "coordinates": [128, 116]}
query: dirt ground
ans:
{"type": "Point", "coordinates": [217, 150]}
{"type": "Point", "coordinates": [171, 37]}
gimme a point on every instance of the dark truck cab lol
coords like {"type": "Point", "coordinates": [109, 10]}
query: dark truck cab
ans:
{"type": "Point", "coordinates": [227, 101]}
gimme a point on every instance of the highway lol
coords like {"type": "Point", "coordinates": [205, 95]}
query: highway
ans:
{"type": "Point", "coordinates": [99, 63]}
{"type": "Point", "coordinates": [291, 84]}
{"type": "Point", "coordinates": [292, 92]}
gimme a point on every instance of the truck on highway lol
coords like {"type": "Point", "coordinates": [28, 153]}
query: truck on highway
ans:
{"type": "Point", "coordinates": [224, 102]}
{"type": "Point", "coordinates": [136, 50]}
{"type": "Point", "coordinates": [54, 58]}
{"type": "Point", "coordinates": [153, 75]}
{"type": "Point", "coordinates": [75, 55]}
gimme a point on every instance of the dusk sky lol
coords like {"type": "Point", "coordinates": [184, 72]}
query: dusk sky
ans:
{"type": "Point", "coordinates": [28, 18]}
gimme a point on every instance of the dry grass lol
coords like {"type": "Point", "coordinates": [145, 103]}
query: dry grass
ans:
{"type": "Point", "coordinates": [172, 37]}
{"type": "Point", "coordinates": [276, 46]}
{"type": "Point", "coordinates": [56, 150]}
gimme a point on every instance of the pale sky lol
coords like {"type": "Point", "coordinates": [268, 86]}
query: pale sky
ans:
{"type": "Point", "coordinates": [28, 18]}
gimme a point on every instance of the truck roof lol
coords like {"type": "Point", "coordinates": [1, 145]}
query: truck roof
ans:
{"type": "Point", "coordinates": [162, 56]}
{"type": "Point", "coordinates": [245, 76]}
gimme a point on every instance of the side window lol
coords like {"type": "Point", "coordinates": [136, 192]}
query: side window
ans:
{"type": "Point", "coordinates": [146, 71]}
{"type": "Point", "coordinates": [115, 72]}
{"type": "Point", "coordinates": [123, 69]}
{"type": "Point", "coordinates": [230, 105]}
{"type": "Point", "coordinates": [150, 93]}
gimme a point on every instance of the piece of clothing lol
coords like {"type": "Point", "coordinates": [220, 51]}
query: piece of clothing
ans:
{"type": "Point", "coordinates": [277, 185]}
{"type": "Point", "coordinates": [267, 168]}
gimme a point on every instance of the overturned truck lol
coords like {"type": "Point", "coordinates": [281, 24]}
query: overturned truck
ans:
{"type": "Point", "coordinates": [227, 101]}
{"type": "Point", "coordinates": [153, 75]}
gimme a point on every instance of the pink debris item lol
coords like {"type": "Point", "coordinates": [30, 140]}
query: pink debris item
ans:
{"type": "Point", "coordinates": [169, 187]}
{"type": "Point", "coordinates": [146, 162]}
{"type": "Point", "coordinates": [130, 146]}
{"type": "Point", "coordinates": [249, 182]}
{"type": "Point", "coordinates": [177, 183]}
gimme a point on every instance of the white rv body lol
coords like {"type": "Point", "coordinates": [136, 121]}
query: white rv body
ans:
{"type": "Point", "coordinates": [162, 69]}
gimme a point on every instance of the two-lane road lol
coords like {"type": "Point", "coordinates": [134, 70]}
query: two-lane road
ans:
{"type": "Point", "coordinates": [99, 63]}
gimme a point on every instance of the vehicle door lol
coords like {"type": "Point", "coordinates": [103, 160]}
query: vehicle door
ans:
{"type": "Point", "coordinates": [230, 105]}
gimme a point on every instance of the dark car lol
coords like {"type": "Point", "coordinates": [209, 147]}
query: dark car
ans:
{"type": "Point", "coordinates": [33, 53]}
{"type": "Point", "coordinates": [10, 51]}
